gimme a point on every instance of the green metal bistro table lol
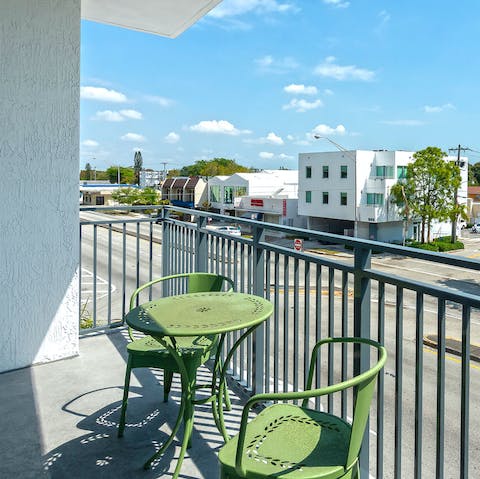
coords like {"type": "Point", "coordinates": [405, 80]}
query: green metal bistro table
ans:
{"type": "Point", "coordinates": [198, 314]}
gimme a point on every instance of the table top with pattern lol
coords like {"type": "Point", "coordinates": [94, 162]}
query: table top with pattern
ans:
{"type": "Point", "coordinates": [199, 314]}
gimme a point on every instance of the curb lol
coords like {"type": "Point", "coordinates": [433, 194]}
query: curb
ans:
{"type": "Point", "coordinates": [453, 346]}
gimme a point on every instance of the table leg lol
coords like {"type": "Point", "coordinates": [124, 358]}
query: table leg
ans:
{"type": "Point", "coordinates": [188, 378]}
{"type": "Point", "coordinates": [222, 384]}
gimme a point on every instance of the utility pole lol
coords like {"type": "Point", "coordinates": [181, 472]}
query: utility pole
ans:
{"type": "Point", "coordinates": [458, 163]}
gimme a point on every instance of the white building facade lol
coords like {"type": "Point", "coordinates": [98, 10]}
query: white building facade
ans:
{"type": "Point", "coordinates": [150, 178]}
{"type": "Point", "coordinates": [268, 183]}
{"type": "Point", "coordinates": [348, 192]}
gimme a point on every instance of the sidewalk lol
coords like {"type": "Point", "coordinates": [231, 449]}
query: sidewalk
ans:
{"type": "Point", "coordinates": [453, 346]}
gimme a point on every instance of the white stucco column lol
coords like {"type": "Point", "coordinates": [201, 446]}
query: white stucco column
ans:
{"type": "Point", "coordinates": [39, 136]}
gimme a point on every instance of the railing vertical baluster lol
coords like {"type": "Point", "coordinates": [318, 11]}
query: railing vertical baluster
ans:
{"type": "Point", "coordinates": [258, 340]}
{"type": "Point", "coordinates": [306, 325]}
{"type": "Point", "coordinates": [276, 330]}
{"type": "Point", "coordinates": [344, 346]}
{"type": "Point", "coordinates": [94, 293]}
{"type": "Point", "coordinates": [398, 383]}
{"type": "Point", "coordinates": [418, 385]}
{"type": "Point", "coordinates": [318, 327]}
{"type": "Point", "coordinates": [296, 327]}
{"type": "Point", "coordinates": [465, 395]}
{"type": "Point", "coordinates": [268, 323]}
{"type": "Point", "coordinates": [201, 245]}
{"type": "Point", "coordinates": [440, 390]}
{"type": "Point", "coordinates": [286, 339]}
{"type": "Point", "coordinates": [331, 331]}
{"type": "Point", "coordinates": [124, 270]}
{"type": "Point", "coordinates": [109, 267]}
{"type": "Point", "coordinates": [361, 328]}
{"type": "Point", "coordinates": [150, 259]}
{"type": "Point", "coordinates": [137, 260]}
{"type": "Point", "coordinates": [80, 296]}
{"type": "Point", "coordinates": [381, 381]}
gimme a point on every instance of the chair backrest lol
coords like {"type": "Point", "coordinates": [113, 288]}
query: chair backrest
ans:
{"type": "Point", "coordinates": [203, 282]}
{"type": "Point", "coordinates": [196, 283]}
{"type": "Point", "coordinates": [364, 384]}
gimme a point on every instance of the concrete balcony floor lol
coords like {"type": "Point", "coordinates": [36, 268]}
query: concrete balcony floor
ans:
{"type": "Point", "coordinates": [59, 420]}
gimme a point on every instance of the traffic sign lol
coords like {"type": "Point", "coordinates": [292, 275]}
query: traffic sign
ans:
{"type": "Point", "coordinates": [298, 244]}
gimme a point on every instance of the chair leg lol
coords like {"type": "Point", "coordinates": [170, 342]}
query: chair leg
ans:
{"type": "Point", "coordinates": [167, 384]}
{"type": "Point", "coordinates": [126, 388]}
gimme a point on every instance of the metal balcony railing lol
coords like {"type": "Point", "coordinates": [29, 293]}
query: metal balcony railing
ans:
{"type": "Point", "coordinates": [420, 423]}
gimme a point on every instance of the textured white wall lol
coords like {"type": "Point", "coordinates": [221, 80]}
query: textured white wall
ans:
{"type": "Point", "coordinates": [39, 132]}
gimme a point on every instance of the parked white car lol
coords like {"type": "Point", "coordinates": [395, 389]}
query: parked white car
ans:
{"type": "Point", "coordinates": [229, 230]}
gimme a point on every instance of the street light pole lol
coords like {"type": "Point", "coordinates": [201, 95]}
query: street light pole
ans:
{"type": "Point", "coordinates": [118, 174]}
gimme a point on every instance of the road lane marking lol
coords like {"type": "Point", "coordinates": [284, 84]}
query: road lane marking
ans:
{"type": "Point", "coordinates": [450, 358]}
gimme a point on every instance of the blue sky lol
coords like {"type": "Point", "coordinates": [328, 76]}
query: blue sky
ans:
{"type": "Point", "coordinates": [256, 79]}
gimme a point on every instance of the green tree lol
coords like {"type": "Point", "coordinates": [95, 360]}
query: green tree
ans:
{"type": "Point", "coordinates": [474, 174]}
{"type": "Point", "coordinates": [127, 175]}
{"type": "Point", "coordinates": [137, 196]}
{"type": "Point", "coordinates": [429, 190]}
{"type": "Point", "coordinates": [137, 166]}
{"type": "Point", "coordinates": [214, 167]}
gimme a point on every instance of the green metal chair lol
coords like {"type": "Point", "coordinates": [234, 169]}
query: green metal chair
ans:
{"type": "Point", "coordinates": [146, 352]}
{"type": "Point", "coordinates": [289, 441]}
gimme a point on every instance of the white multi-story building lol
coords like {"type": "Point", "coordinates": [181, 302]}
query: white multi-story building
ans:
{"type": "Point", "coordinates": [348, 192]}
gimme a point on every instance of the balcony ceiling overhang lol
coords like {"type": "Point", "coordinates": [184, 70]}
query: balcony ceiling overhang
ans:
{"type": "Point", "coordinates": [168, 18]}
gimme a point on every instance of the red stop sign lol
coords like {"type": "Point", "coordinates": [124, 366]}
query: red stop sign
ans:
{"type": "Point", "coordinates": [298, 244]}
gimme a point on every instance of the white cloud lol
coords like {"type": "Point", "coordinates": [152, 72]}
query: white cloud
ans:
{"type": "Point", "coordinates": [328, 130]}
{"type": "Point", "coordinates": [301, 105]}
{"type": "Point", "coordinates": [269, 64]}
{"type": "Point", "coordinates": [328, 92]}
{"type": "Point", "coordinates": [337, 3]}
{"type": "Point", "coordinates": [266, 155]}
{"type": "Point", "coordinates": [271, 139]}
{"type": "Point", "coordinates": [116, 116]}
{"type": "Point", "coordinates": [290, 137]}
{"type": "Point", "coordinates": [159, 100]}
{"type": "Point", "coordinates": [330, 69]}
{"type": "Point", "coordinates": [283, 156]}
{"type": "Point", "coordinates": [102, 94]}
{"type": "Point", "coordinates": [274, 139]}
{"type": "Point", "coordinates": [438, 109]}
{"type": "Point", "coordinates": [223, 127]}
{"type": "Point", "coordinates": [133, 137]}
{"type": "Point", "coordinates": [403, 122]}
{"type": "Point", "coordinates": [90, 143]}
{"type": "Point", "coordinates": [295, 89]}
{"type": "Point", "coordinates": [109, 115]}
{"type": "Point", "coordinates": [230, 8]}
{"type": "Point", "coordinates": [172, 137]}
{"type": "Point", "coordinates": [132, 114]}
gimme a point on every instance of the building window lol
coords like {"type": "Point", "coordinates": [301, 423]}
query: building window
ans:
{"type": "Point", "coordinates": [100, 200]}
{"type": "Point", "coordinates": [374, 198]}
{"type": "Point", "coordinates": [308, 172]}
{"type": "Point", "coordinates": [215, 194]}
{"type": "Point", "coordinates": [325, 197]}
{"type": "Point", "coordinates": [308, 196]}
{"type": "Point", "coordinates": [240, 191]}
{"type": "Point", "coordinates": [401, 172]}
{"type": "Point", "coordinates": [343, 199]}
{"type": "Point", "coordinates": [325, 171]}
{"type": "Point", "coordinates": [343, 171]}
{"type": "Point", "coordinates": [384, 171]}
{"type": "Point", "coordinates": [228, 195]}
